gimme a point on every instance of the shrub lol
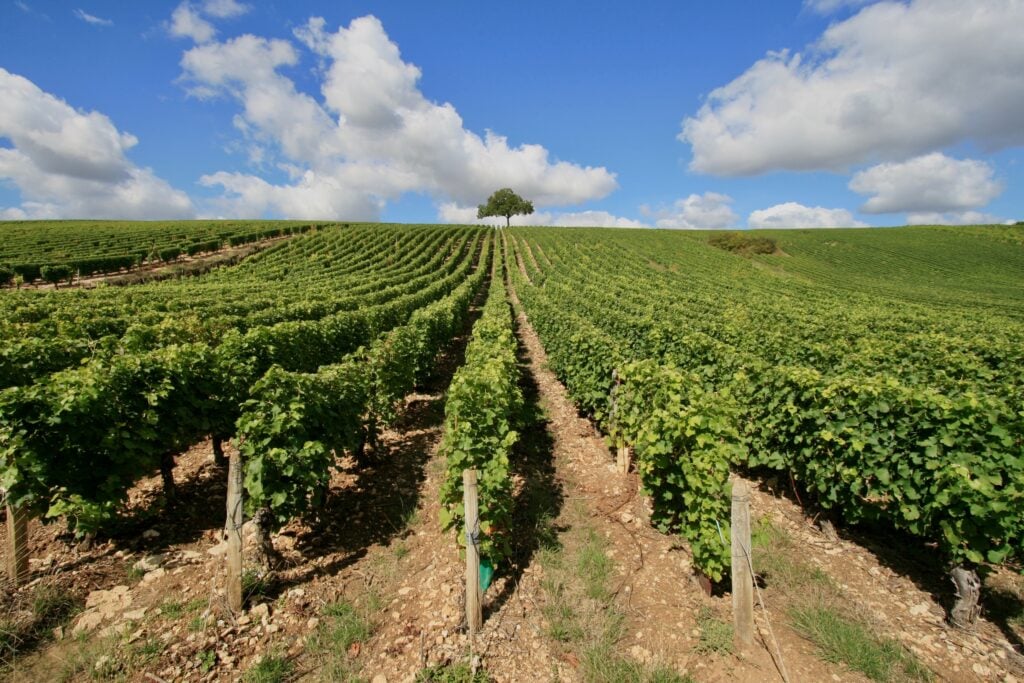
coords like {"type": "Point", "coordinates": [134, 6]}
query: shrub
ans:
{"type": "Point", "coordinates": [742, 244]}
{"type": "Point", "coordinates": [169, 253]}
{"type": "Point", "coordinates": [55, 273]}
{"type": "Point", "coordinates": [6, 275]}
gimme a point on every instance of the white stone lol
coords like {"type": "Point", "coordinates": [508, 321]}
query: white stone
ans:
{"type": "Point", "coordinates": [919, 609]}
{"type": "Point", "coordinates": [153, 575]}
{"type": "Point", "coordinates": [149, 563]}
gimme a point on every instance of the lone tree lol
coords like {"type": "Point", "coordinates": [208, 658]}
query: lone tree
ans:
{"type": "Point", "coordinates": [505, 203]}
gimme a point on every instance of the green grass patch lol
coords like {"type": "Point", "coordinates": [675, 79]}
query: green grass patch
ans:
{"type": "Point", "coordinates": [456, 672]}
{"type": "Point", "coordinates": [819, 611]}
{"type": "Point", "coordinates": [342, 625]}
{"type": "Point", "coordinates": [776, 560]}
{"type": "Point", "coordinates": [30, 619]}
{"type": "Point", "coordinates": [271, 668]}
{"type": "Point", "coordinates": [599, 666]}
{"type": "Point", "coordinates": [256, 585]}
{"type": "Point", "coordinates": [595, 568]}
{"type": "Point", "coordinates": [842, 640]}
{"type": "Point", "coordinates": [716, 634]}
{"type": "Point", "coordinates": [580, 610]}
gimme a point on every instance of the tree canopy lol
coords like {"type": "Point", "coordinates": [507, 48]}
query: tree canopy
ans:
{"type": "Point", "coordinates": [505, 202]}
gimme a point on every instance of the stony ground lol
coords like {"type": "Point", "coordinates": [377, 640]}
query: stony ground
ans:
{"type": "Point", "coordinates": [152, 606]}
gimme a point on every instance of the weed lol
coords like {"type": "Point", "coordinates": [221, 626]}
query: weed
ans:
{"type": "Point", "coordinates": [342, 627]}
{"type": "Point", "coordinates": [461, 672]}
{"type": "Point", "coordinates": [602, 666]}
{"type": "Point", "coordinates": [594, 568]}
{"type": "Point", "coordinates": [345, 626]}
{"type": "Point", "coordinates": [134, 574]}
{"type": "Point", "coordinates": [172, 609]}
{"type": "Point", "coordinates": [207, 660]}
{"type": "Point", "coordinates": [818, 611]}
{"type": "Point", "coordinates": [842, 640]}
{"type": "Point", "coordinates": [774, 559]}
{"type": "Point", "coordinates": [271, 668]}
{"type": "Point", "coordinates": [563, 624]}
{"type": "Point", "coordinates": [33, 617]}
{"type": "Point", "coordinates": [255, 584]}
{"type": "Point", "coordinates": [401, 550]}
{"type": "Point", "coordinates": [716, 635]}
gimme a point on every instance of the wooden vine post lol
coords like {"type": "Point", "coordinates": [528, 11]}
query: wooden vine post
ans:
{"type": "Point", "coordinates": [233, 527]}
{"type": "Point", "coordinates": [474, 603]}
{"type": "Point", "coordinates": [17, 545]}
{"type": "Point", "coordinates": [622, 459]}
{"type": "Point", "coordinates": [623, 453]}
{"type": "Point", "coordinates": [742, 567]}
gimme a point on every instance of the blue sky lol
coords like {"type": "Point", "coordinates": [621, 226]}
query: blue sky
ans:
{"type": "Point", "coordinates": [690, 115]}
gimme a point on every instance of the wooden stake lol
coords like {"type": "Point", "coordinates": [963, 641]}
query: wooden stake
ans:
{"type": "Point", "coordinates": [623, 459]}
{"type": "Point", "coordinates": [233, 527]}
{"type": "Point", "coordinates": [474, 602]}
{"type": "Point", "coordinates": [742, 567]}
{"type": "Point", "coordinates": [17, 546]}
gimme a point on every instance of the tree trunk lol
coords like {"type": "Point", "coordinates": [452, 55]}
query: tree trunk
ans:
{"type": "Point", "coordinates": [218, 451]}
{"type": "Point", "coordinates": [966, 610]}
{"type": "Point", "coordinates": [263, 552]}
{"type": "Point", "coordinates": [507, 220]}
{"type": "Point", "coordinates": [167, 473]}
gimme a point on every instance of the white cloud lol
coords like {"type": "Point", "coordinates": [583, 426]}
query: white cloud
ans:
{"type": "Point", "coordinates": [706, 211]}
{"type": "Point", "coordinates": [92, 19]}
{"type": "Point", "coordinates": [225, 9]}
{"type": "Point", "coordinates": [312, 196]}
{"type": "Point", "coordinates": [186, 23]}
{"type": "Point", "coordinates": [794, 215]}
{"type": "Point", "coordinates": [953, 218]}
{"type": "Point", "coordinates": [375, 134]}
{"type": "Point", "coordinates": [71, 164]}
{"type": "Point", "coordinates": [450, 212]}
{"type": "Point", "coordinates": [894, 81]}
{"type": "Point", "coordinates": [929, 183]}
{"type": "Point", "coordinates": [831, 6]}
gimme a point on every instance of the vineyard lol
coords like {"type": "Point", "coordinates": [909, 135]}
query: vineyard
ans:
{"type": "Point", "coordinates": [889, 396]}
{"type": "Point", "coordinates": [60, 250]}
{"type": "Point", "coordinates": [878, 373]}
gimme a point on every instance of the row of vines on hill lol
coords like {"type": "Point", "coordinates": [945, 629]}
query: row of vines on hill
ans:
{"type": "Point", "coordinates": [55, 252]}
{"type": "Point", "coordinates": [885, 412]}
{"type": "Point", "coordinates": [481, 411]}
{"type": "Point", "coordinates": [80, 425]}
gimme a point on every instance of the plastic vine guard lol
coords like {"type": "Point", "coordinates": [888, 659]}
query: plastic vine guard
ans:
{"type": "Point", "coordinates": [486, 574]}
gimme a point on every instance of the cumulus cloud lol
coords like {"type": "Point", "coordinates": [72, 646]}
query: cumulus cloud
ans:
{"type": "Point", "coordinates": [953, 218]}
{"type": "Point", "coordinates": [374, 134]}
{"type": "Point", "coordinates": [186, 22]}
{"type": "Point", "coordinates": [225, 9]}
{"type": "Point", "coordinates": [92, 19]}
{"type": "Point", "coordinates": [707, 211]}
{"type": "Point", "coordinates": [72, 164]}
{"type": "Point", "coordinates": [794, 215]}
{"type": "Point", "coordinates": [894, 81]}
{"type": "Point", "coordinates": [450, 212]}
{"type": "Point", "coordinates": [929, 183]}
